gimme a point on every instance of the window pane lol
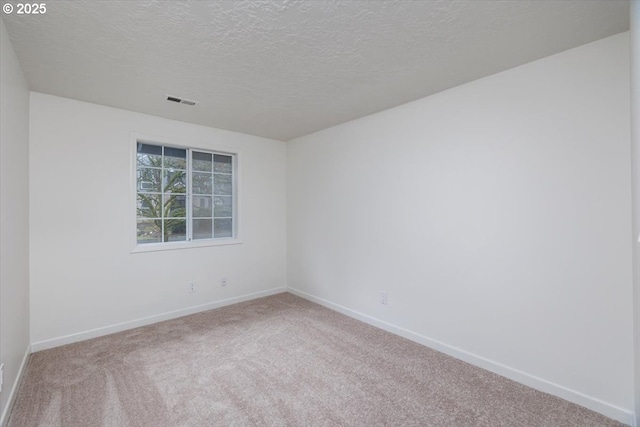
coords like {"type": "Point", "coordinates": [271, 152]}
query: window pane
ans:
{"type": "Point", "coordinates": [175, 230]}
{"type": "Point", "coordinates": [202, 229]}
{"type": "Point", "coordinates": [201, 183]}
{"type": "Point", "coordinates": [149, 205]}
{"type": "Point", "coordinates": [222, 228]}
{"type": "Point", "coordinates": [149, 149]}
{"type": "Point", "coordinates": [202, 162]}
{"type": "Point", "coordinates": [202, 207]}
{"type": "Point", "coordinates": [149, 231]}
{"type": "Point", "coordinates": [222, 163]}
{"type": "Point", "coordinates": [149, 155]}
{"type": "Point", "coordinates": [223, 206]}
{"type": "Point", "coordinates": [175, 181]}
{"type": "Point", "coordinates": [175, 206]}
{"type": "Point", "coordinates": [148, 180]}
{"type": "Point", "coordinates": [222, 184]}
{"type": "Point", "coordinates": [149, 160]}
{"type": "Point", "coordinates": [175, 158]}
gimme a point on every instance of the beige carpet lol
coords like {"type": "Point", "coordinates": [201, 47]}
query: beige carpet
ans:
{"type": "Point", "coordinates": [274, 361]}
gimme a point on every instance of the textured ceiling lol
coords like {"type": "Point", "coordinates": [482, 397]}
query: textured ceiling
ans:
{"type": "Point", "coordinates": [283, 69]}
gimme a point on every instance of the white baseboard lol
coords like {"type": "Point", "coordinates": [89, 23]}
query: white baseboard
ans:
{"type": "Point", "coordinates": [106, 330]}
{"type": "Point", "coordinates": [532, 381]}
{"type": "Point", "coordinates": [14, 389]}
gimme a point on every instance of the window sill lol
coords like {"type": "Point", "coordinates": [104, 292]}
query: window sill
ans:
{"type": "Point", "coordinates": [171, 246]}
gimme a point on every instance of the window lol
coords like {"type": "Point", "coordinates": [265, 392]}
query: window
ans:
{"type": "Point", "coordinates": [184, 194]}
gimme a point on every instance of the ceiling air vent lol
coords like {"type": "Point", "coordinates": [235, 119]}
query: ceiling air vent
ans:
{"type": "Point", "coordinates": [181, 100]}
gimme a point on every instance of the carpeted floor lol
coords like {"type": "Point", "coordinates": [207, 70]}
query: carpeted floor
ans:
{"type": "Point", "coordinates": [274, 361]}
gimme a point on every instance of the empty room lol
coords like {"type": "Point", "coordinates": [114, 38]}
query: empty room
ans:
{"type": "Point", "coordinates": [320, 213]}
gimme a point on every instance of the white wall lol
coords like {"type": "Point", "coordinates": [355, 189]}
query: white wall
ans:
{"type": "Point", "coordinates": [14, 215]}
{"type": "Point", "coordinates": [83, 275]}
{"type": "Point", "coordinates": [495, 215]}
{"type": "Point", "coordinates": [635, 166]}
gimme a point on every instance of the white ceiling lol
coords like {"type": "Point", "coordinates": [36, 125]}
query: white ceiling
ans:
{"type": "Point", "coordinates": [282, 69]}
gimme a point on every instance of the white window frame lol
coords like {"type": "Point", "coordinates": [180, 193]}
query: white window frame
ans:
{"type": "Point", "coordinates": [211, 148]}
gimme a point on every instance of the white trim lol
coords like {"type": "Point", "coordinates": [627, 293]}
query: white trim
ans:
{"type": "Point", "coordinates": [532, 381]}
{"type": "Point", "coordinates": [170, 246]}
{"type": "Point", "coordinates": [236, 154]}
{"type": "Point", "coordinates": [4, 419]}
{"type": "Point", "coordinates": [118, 327]}
{"type": "Point", "coordinates": [634, 54]}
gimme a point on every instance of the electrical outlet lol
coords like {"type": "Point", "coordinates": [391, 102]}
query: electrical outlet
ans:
{"type": "Point", "coordinates": [223, 282]}
{"type": "Point", "coordinates": [191, 288]}
{"type": "Point", "coordinates": [383, 298]}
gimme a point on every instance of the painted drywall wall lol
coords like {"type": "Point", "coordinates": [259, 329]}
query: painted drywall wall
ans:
{"type": "Point", "coordinates": [496, 217]}
{"type": "Point", "coordinates": [83, 274]}
{"type": "Point", "coordinates": [14, 216]}
{"type": "Point", "coordinates": [635, 167]}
